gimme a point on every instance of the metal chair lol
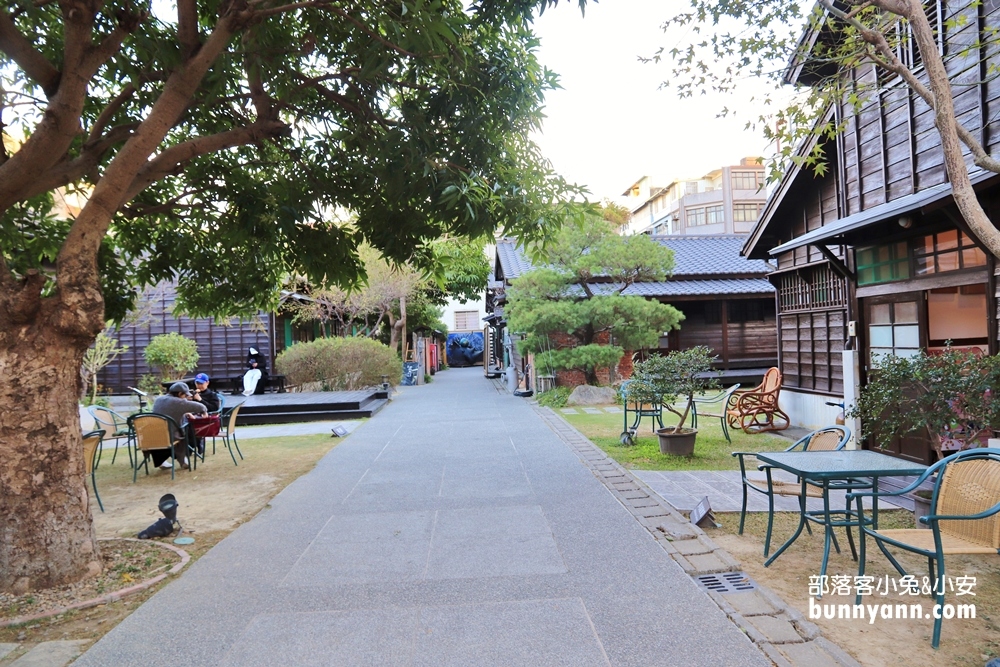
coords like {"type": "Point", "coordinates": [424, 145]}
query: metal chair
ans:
{"type": "Point", "coordinates": [755, 410]}
{"type": "Point", "coordinates": [114, 426]}
{"type": "Point", "coordinates": [229, 431]}
{"type": "Point", "coordinates": [725, 399]}
{"type": "Point", "coordinates": [829, 438]}
{"type": "Point", "coordinates": [964, 518]}
{"type": "Point", "coordinates": [91, 449]}
{"type": "Point", "coordinates": [640, 410]}
{"type": "Point", "coordinates": [151, 432]}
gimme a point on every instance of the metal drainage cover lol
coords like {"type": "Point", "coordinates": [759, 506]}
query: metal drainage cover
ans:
{"type": "Point", "coordinates": [726, 582]}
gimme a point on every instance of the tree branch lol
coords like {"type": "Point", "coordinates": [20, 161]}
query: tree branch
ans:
{"type": "Point", "coordinates": [29, 59]}
{"type": "Point", "coordinates": [113, 106]}
{"type": "Point", "coordinates": [187, 27]}
{"type": "Point", "coordinates": [170, 159]}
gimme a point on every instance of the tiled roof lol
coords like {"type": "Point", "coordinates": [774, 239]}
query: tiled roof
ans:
{"type": "Point", "coordinates": [712, 255]}
{"type": "Point", "coordinates": [513, 261]}
{"type": "Point", "coordinates": [720, 287]}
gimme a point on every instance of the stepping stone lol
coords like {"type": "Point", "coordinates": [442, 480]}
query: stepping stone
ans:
{"type": "Point", "coordinates": [592, 411]}
{"type": "Point", "coordinates": [5, 650]}
{"type": "Point", "coordinates": [568, 411]}
{"type": "Point", "coordinates": [613, 410]}
{"type": "Point", "coordinates": [52, 654]}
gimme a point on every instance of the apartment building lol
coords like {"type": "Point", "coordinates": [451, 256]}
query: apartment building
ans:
{"type": "Point", "coordinates": [727, 200]}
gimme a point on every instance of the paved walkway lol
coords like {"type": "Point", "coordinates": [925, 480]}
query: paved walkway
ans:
{"type": "Point", "coordinates": [455, 528]}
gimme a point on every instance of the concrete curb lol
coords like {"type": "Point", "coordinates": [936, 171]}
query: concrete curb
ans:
{"type": "Point", "coordinates": [114, 596]}
{"type": "Point", "coordinates": [780, 631]}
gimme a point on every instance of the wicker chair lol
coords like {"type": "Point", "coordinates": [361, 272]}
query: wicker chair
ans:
{"type": "Point", "coordinates": [229, 432]}
{"type": "Point", "coordinates": [964, 518]}
{"type": "Point", "coordinates": [826, 439]}
{"type": "Point", "coordinates": [755, 410]}
{"type": "Point", "coordinates": [151, 432]}
{"type": "Point", "coordinates": [114, 426]}
{"type": "Point", "coordinates": [91, 447]}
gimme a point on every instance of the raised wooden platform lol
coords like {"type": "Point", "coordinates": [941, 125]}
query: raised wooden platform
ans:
{"type": "Point", "coordinates": [308, 406]}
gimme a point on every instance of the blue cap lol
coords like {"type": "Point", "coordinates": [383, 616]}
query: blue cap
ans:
{"type": "Point", "coordinates": [201, 377]}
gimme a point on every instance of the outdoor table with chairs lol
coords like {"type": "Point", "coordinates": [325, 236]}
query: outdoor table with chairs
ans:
{"type": "Point", "coordinates": [849, 470]}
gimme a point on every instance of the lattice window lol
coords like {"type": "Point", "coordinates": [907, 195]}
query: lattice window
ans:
{"type": "Point", "coordinates": [811, 289]}
{"type": "Point", "coordinates": [467, 320]}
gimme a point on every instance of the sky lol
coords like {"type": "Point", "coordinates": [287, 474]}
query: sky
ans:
{"type": "Point", "coordinates": [611, 124]}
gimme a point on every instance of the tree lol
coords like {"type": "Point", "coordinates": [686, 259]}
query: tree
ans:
{"type": "Point", "coordinates": [843, 35]}
{"type": "Point", "coordinates": [104, 350]}
{"type": "Point", "coordinates": [211, 147]}
{"type": "Point", "coordinates": [578, 289]}
{"type": "Point", "coordinates": [172, 354]}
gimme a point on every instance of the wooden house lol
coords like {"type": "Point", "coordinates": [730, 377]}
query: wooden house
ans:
{"type": "Point", "coordinates": [872, 256]}
{"type": "Point", "coordinates": [726, 299]}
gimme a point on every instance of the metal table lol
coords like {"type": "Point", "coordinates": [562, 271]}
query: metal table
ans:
{"type": "Point", "coordinates": [823, 468]}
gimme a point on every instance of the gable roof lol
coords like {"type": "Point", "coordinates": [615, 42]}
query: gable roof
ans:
{"type": "Point", "coordinates": [712, 255]}
{"type": "Point", "coordinates": [512, 260]}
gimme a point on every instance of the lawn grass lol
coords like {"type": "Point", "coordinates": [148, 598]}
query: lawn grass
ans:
{"type": "Point", "coordinates": [711, 451]}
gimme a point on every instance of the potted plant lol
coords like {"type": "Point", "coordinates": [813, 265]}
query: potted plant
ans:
{"type": "Point", "coordinates": [670, 380]}
{"type": "Point", "coordinates": [950, 396]}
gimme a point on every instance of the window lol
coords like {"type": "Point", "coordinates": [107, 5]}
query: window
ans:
{"type": "Point", "coordinates": [745, 311]}
{"type": "Point", "coordinates": [467, 320]}
{"type": "Point", "coordinates": [882, 263]}
{"type": "Point", "coordinates": [695, 216]}
{"type": "Point", "coordinates": [747, 180]}
{"type": "Point", "coordinates": [714, 214]}
{"type": "Point", "coordinates": [810, 289]}
{"type": "Point", "coordinates": [745, 212]}
{"type": "Point", "coordinates": [893, 330]}
{"type": "Point", "coordinates": [946, 251]}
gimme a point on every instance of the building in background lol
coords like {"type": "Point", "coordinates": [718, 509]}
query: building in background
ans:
{"type": "Point", "coordinates": [727, 200]}
{"type": "Point", "coordinates": [727, 301]}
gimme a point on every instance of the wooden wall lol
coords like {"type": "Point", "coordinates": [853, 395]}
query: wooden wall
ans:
{"type": "Point", "coordinates": [223, 347]}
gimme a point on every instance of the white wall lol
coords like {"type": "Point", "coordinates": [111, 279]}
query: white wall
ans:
{"type": "Point", "coordinates": [453, 305]}
{"type": "Point", "coordinates": [808, 410]}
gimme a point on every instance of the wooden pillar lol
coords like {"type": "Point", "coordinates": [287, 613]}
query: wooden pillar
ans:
{"type": "Point", "coordinates": [725, 335]}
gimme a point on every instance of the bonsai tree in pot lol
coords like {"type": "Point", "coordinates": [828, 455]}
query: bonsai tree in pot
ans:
{"type": "Point", "coordinates": [952, 397]}
{"type": "Point", "coordinates": [673, 380]}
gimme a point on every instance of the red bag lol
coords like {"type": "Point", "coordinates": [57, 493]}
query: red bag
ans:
{"type": "Point", "coordinates": [206, 426]}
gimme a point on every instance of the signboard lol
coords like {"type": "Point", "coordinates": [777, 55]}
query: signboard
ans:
{"type": "Point", "coordinates": [702, 515]}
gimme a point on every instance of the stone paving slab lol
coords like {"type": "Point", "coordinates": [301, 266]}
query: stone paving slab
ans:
{"type": "Point", "coordinates": [6, 649]}
{"type": "Point", "coordinates": [724, 488]}
{"type": "Point", "coordinates": [568, 411]}
{"type": "Point", "coordinates": [400, 548]}
{"type": "Point", "coordinates": [593, 411]}
{"type": "Point", "coordinates": [51, 654]}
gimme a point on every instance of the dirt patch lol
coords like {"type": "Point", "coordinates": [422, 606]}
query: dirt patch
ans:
{"type": "Point", "coordinates": [886, 641]}
{"type": "Point", "coordinates": [213, 501]}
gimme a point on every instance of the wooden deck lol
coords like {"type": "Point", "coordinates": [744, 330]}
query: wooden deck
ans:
{"type": "Point", "coordinates": [308, 406]}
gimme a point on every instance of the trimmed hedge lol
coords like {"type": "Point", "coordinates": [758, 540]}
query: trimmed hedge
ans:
{"type": "Point", "coordinates": [340, 364]}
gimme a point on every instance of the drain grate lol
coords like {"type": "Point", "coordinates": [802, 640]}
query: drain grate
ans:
{"type": "Point", "coordinates": [726, 582]}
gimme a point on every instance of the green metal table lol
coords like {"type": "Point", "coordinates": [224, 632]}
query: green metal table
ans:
{"type": "Point", "coordinates": [839, 469]}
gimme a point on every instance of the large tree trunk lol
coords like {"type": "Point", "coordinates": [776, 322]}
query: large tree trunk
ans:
{"type": "Point", "coordinates": [46, 531]}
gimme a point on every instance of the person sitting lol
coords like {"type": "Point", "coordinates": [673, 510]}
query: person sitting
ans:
{"type": "Point", "coordinates": [255, 362]}
{"type": "Point", "coordinates": [251, 379]}
{"type": "Point", "coordinates": [202, 394]}
{"type": "Point", "coordinates": [177, 405]}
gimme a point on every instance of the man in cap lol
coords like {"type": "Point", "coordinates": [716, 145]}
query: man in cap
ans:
{"type": "Point", "coordinates": [207, 397]}
{"type": "Point", "coordinates": [177, 405]}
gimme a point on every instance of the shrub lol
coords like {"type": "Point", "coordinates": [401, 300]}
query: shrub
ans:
{"type": "Point", "coordinates": [340, 364]}
{"type": "Point", "coordinates": [151, 385]}
{"type": "Point", "coordinates": [554, 398]}
{"type": "Point", "coordinates": [172, 355]}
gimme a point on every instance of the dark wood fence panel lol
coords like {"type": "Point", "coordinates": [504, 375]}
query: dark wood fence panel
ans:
{"type": "Point", "coordinates": [222, 346]}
